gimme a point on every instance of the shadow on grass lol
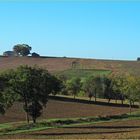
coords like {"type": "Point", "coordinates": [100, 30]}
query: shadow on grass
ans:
{"type": "Point", "coordinates": [65, 99]}
{"type": "Point", "coordinates": [77, 133]}
{"type": "Point", "coordinates": [103, 127]}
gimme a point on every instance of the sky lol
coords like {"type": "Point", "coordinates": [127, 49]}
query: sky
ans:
{"type": "Point", "coordinates": [73, 28]}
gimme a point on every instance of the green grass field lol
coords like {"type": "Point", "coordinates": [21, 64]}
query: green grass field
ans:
{"type": "Point", "coordinates": [82, 73]}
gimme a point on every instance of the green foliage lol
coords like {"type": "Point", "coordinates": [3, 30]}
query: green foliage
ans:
{"type": "Point", "coordinates": [6, 95]}
{"type": "Point", "coordinates": [93, 85]}
{"type": "Point", "coordinates": [108, 89]}
{"type": "Point", "coordinates": [56, 85]}
{"type": "Point", "coordinates": [35, 54]}
{"type": "Point", "coordinates": [22, 49]}
{"type": "Point", "coordinates": [74, 86]}
{"type": "Point", "coordinates": [33, 85]}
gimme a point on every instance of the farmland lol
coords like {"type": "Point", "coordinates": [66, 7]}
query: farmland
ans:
{"type": "Point", "coordinates": [64, 108]}
{"type": "Point", "coordinates": [119, 128]}
{"type": "Point", "coordinates": [70, 110]}
{"type": "Point", "coordinates": [55, 65]}
{"type": "Point", "coordinates": [107, 130]}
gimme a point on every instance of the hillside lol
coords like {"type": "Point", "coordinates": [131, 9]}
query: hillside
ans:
{"type": "Point", "coordinates": [61, 64]}
{"type": "Point", "coordinates": [71, 109]}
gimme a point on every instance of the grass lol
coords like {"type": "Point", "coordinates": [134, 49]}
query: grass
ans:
{"type": "Point", "coordinates": [82, 73]}
{"type": "Point", "coordinates": [3, 126]}
{"type": "Point", "coordinates": [8, 129]}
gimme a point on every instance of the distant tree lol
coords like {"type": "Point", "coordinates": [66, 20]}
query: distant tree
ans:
{"type": "Point", "coordinates": [98, 88]}
{"type": "Point", "coordinates": [56, 85]}
{"type": "Point", "coordinates": [22, 49]}
{"type": "Point", "coordinates": [88, 87]}
{"type": "Point", "coordinates": [63, 79]}
{"type": "Point", "coordinates": [75, 64]}
{"type": "Point", "coordinates": [35, 54]}
{"type": "Point", "coordinates": [117, 85]}
{"type": "Point", "coordinates": [131, 89]}
{"type": "Point", "coordinates": [33, 85]}
{"type": "Point", "coordinates": [108, 89]}
{"type": "Point", "coordinates": [92, 85]}
{"type": "Point", "coordinates": [9, 53]}
{"type": "Point", "coordinates": [74, 86]}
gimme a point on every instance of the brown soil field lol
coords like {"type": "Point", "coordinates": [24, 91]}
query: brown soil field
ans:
{"type": "Point", "coordinates": [107, 130]}
{"type": "Point", "coordinates": [60, 64]}
{"type": "Point", "coordinates": [64, 109]}
{"type": "Point", "coordinates": [118, 129]}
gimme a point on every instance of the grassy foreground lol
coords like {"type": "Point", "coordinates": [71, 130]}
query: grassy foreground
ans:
{"type": "Point", "coordinates": [22, 127]}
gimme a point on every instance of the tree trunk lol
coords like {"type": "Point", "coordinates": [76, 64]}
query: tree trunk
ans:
{"type": "Point", "coordinates": [109, 100]}
{"type": "Point", "coordinates": [133, 103]}
{"type": "Point", "coordinates": [74, 96]}
{"type": "Point", "coordinates": [26, 106]}
{"type": "Point", "coordinates": [122, 102]}
{"type": "Point", "coordinates": [130, 107]}
{"type": "Point", "coordinates": [27, 114]}
{"type": "Point", "coordinates": [34, 120]}
{"type": "Point", "coordinates": [95, 96]}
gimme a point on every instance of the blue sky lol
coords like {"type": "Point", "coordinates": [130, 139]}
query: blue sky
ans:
{"type": "Point", "coordinates": [102, 30]}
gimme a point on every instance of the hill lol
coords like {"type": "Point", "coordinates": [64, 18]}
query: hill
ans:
{"type": "Point", "coordinates": [54, 64]}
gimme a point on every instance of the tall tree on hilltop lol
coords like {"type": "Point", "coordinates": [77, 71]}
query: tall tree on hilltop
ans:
{"type": "Point", "coordinates": [22, 49]}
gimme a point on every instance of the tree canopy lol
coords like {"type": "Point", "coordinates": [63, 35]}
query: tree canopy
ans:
{"type": "Point", "coordinates": [22, 49]}
{"type": "Point", "coordinates": [33, 85]}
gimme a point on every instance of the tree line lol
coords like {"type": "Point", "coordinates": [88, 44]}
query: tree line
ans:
{"type": "Point", "coordinates": [116, 87]}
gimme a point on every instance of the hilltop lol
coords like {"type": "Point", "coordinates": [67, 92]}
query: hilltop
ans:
{"type": "Point", "coordinates": [57, 64]}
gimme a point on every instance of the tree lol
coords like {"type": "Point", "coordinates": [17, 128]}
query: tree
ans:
{"type": "Point", "coordinates": [22, 49]}
{"type": "Point", "coordinates": [74, 86]}
{"type": "Point", "coordinates": [92, 85]}
{"type": "Point", "coordinates": [108, 89]}
{"type": "Point", "coordinates": [131, 89]}
{"type": "Point", "coordinates": [6, 95]}
{"type": "Point", "coordinates": [2, 101]}
{"type": "Point", "coordinates": [117, 85]}
{"type": "Point", "coordinates": [35, 110]}
{"type": "Point", "coordinates": [56, 85]}
{"type": "Point", "coordinates": [88, 87]}
{"type": "Point", "coordinates": [35, 54]}
{"type": "Point", "coordinates": [33, 85]}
